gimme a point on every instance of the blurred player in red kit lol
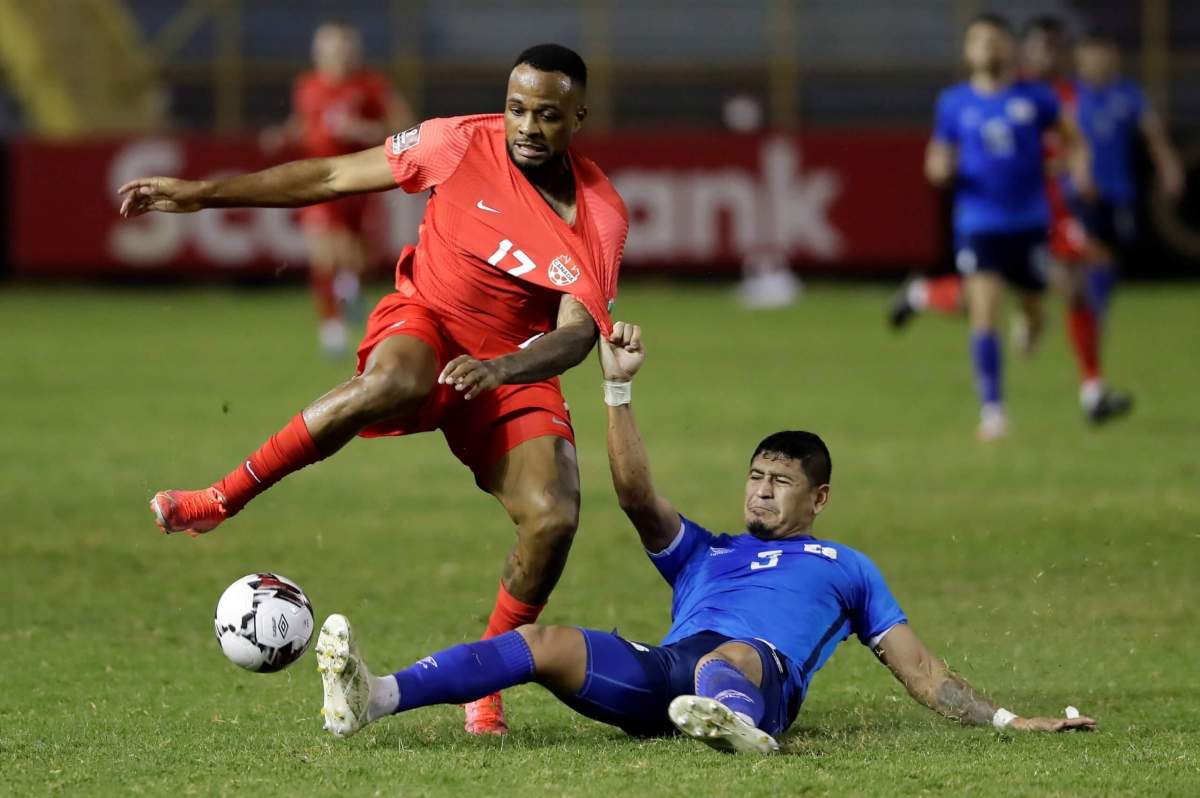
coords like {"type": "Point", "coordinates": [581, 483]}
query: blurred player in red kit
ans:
{"type": "Point", "coordinates": [512, 277]}
{"type": "Point", "coordinates": [338, 107]}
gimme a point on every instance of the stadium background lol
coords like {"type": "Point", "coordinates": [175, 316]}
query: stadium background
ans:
{"type": "Point", "coordinates": [845, 90]}
{"type": "Point", "coordinates": [1058, 567]}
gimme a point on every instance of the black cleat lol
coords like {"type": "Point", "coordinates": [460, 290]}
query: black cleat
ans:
{"type": "Point", "coordinates": [1111, 405]}
{"type": "Point", "coordinates": [901, 311]}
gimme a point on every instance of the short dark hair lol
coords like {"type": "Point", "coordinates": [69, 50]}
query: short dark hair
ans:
{"type": "Point", "coordinates": [555, 58]}
{"type": "Point", "coordinates": [805, 447]}
{"type": "Point", "coordinates": [1045, 23]}
{"type": "Point", "coordinates": [1098, 37]}
{"type": "Point", "coordinates": [994, 20]}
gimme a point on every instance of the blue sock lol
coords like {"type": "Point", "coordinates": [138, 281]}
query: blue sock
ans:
{"type": "Point", "coordinates": [1100, 281]}
{"type": "Point", "coordinates": [466, 672]}
{"type": "Point", "coordinates": [985, 355]}
{"type": "Point", "coordinates": [720, 680]}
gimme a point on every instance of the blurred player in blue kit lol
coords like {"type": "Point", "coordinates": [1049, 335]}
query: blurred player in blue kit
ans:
{"type": "Point", "coordinates": [1113, 115]}
{"type": "Point", "coordinates": [754, 615]}
{"type": "Point", "coordinates": [987, 145]}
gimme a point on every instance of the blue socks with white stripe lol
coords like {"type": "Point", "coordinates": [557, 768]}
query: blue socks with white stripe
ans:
{"type": "Point", "coordinates": [464, 673]}
{"type": "Point", "coordinates": [719, 680]}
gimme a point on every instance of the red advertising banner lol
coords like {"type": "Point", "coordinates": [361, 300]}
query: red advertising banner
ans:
{"type": "Point", "coordinates": [697, 202]}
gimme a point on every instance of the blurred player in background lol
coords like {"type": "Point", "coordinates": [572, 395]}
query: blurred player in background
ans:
{"type": "Point", "coordinates": [754, 616]}
{"type": "Point", "coordinates": [513, 274]}
{"type": "Point", "coordinates": [1113, 113]}
{"type": "Point", "coordinates": [338, 107]}
{"type": "Point", "coordinates": [987, 145]}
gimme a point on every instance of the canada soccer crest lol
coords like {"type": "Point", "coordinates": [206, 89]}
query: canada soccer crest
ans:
{"type": "Point", "coordinates": [562, 271]}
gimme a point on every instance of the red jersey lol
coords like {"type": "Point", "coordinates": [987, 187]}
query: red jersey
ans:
{"type": "Point", "coordinates": [324, 105]}
{"type": "Point", "coordinates": [492, 256]}
{"type": "Point", "coordinates": [1067, 237]}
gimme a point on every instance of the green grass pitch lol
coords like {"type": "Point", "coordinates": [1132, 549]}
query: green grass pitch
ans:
{"type": "Point", "coordinates": [1056, 567]}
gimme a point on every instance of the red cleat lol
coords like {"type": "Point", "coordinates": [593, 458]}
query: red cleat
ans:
{"type": "Point", "coordinates": [192, 511]}
{"type": "Point", "coordinates": [486, 716]}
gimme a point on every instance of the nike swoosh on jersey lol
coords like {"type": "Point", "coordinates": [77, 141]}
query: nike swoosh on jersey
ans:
{"type": "Point", "coordinates": [483, 207]}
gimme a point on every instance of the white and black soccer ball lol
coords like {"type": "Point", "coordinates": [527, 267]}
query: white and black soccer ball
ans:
{"type": "Point", "coordinates": [264, 622]}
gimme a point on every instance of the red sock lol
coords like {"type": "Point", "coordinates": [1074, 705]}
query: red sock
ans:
{"type": "Point", "coordinates": [509, 613]}
{"type": "Point", "coordinates": [945, 294]}
{"type": "Point", "coordinates": [1085, 340]}
{"type": "Point", "coordinates": [288, 450]}
{"type": "Point", "coordinates": [321, 283]}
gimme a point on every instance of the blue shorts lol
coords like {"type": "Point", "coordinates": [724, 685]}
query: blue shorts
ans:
{"type": "Point", "coordinates": [1020, 257]}
{"type": "Point", "coordinates": [1111, 223]}
{"type": "Point", "coordinates": [630, 685]}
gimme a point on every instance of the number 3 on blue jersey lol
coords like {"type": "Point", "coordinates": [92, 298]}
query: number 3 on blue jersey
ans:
{"type": "Point", "coordinates": [771, 559]}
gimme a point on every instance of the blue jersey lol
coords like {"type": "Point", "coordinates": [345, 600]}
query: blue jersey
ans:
{"type": "Point", "coordinates": [1000, 183]}
{"type": "Point", "coordinates": [802, 595]}
{"type": "Point", "coordinates": [1110, 117]}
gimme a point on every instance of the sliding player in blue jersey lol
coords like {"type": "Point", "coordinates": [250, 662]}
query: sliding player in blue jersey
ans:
{"type": "Point", "coordinates": [1113, 114]}
{"type": "Point", "coordinates": [988, 146]}
{"type": "Point", "coordinates": [754, 616]}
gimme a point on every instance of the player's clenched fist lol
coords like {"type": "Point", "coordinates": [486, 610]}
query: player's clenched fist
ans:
{"type": "Point", "coordinates": [466, 373]}
{"type": "Point", "coordinates": [164, 194]}
{"type": "Point", "coordinates": [622, 353]}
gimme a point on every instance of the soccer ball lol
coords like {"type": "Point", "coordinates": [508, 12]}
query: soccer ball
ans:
{"type": "Point", "coordinates": [264, 622]}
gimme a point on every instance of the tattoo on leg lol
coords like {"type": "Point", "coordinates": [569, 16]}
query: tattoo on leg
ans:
{"type": "Point", "coordinates": [957, 699]}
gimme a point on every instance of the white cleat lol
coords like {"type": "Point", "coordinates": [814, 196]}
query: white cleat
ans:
{"type": "Point", "coordinates": [344, 678]}
{"type": "Point", "coordinates": [716, 725]}
{"type": "Point", "coordinates": [993, 423]}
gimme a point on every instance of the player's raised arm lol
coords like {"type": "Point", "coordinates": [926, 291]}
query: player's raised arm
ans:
{"type": "Point", "coordinates": [931, 682]}
{"type": "Point", "coordinates": [940, 162]}
{"type": "Point", "coordinates": [288, 185]}
{"type": "Point", "coordinates": [1078, 155]}
{"type": "Point", "coordinates": [550, 355]}
{"type": "Point", "coordinates": [1171, 174]}
{"type": "Point", "coordinates": [657, 522]}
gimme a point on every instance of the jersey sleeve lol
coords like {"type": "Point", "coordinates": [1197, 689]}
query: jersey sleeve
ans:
{"type": "Point", "coordinates": [945, 119]}
{"type": "Point", "coordinates": [671, 561]}
{"type": "Point", "coordinates": [875, 609]}
{"type": "Point", "coordinates": [427, 154]}
{"type": "Point", "coordinates": [1137, 101]}
{"type": "Point", "coordinates": [1048, 107]}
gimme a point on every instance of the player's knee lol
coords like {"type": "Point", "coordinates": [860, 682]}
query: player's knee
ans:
{"type": "Point", "coordinates": [553, 648]}
{"type": "Point", "coordinates": [386, 391]}
{"type": "Point", "coordinates": [740, 655]}
{"type": "Point", "coordinates": [550, 521]}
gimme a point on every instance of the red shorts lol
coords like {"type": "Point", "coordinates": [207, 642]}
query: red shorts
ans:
{"type": "Point", "coordinates": [480, 431]}
{"type": "Point", "coordinates": [348, 213]}
{"type": "Point", "coordinates": [1068, 238]}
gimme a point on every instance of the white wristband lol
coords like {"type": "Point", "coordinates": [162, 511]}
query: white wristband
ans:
{"type": "Point", "coordinates": [617, 393]}
{"type": "Point", "coordinates": [1002, 718]}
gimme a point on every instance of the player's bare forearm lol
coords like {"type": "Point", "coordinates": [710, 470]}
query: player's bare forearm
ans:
{"type": "Point", "coordinates": [547, 357]}
{"type": "Point", "coordinates": [655, 519]}
{"type": "Point", "coordinates": [621, 356]}
{"type": "Point", "coordinates": [288, 185]}
{"type": "Point", "coordinates": [940, 163]}
{"type": "Point", "coordinates": [1078, 155]}
{"type": "Point", "coordinates": [1167, 164]}
{"type": "Point", "coordinates": [551, 355]}
{"type": "Point", "coordinates": [930, 681]}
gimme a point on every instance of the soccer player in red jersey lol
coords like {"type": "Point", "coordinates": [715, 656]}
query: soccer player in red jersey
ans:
{"type": "Point", "coordinates": [511, 279]}
{"type": "Point", "coordinates": [338, 108]}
